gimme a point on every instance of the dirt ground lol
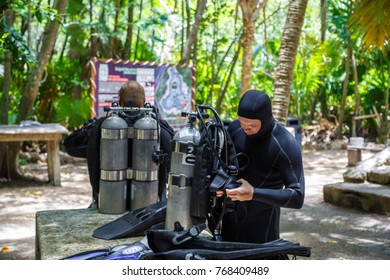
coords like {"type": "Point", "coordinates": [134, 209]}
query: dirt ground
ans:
{"type": "Point", "coordinates": [331, 232]}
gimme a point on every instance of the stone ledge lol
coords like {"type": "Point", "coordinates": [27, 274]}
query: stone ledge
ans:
{"type": "Point", "coordinates": [63, 233]}
{"type": "Point", "coordinates": [379, 175]}
{"type": "Point", "coordinates": [367, 197]}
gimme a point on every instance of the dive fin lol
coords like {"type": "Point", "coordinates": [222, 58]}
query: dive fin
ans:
{"type": "Point", "coordinates": [134, 223]}
{"type": "Point", "coordinates": [130, 251]}
{"type": "Point", "coordinates": [89, 255]}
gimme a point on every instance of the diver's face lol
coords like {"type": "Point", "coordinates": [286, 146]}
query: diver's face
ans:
{"type": "Point", "coordinates": [250, 126]}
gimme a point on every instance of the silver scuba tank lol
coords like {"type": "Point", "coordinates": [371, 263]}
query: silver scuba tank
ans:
{"type": "Point", "coordinates": [183, 145]}
{"type": "Point", "coordinates": [113, 165]}
{"type": "Point", "coordinates": [144, 183]}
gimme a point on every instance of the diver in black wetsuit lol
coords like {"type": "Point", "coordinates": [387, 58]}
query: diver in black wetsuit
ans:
{"type": "Point", "coordinates": [273, 177]}
{"type": "Point", "coordinates": [85, 142]}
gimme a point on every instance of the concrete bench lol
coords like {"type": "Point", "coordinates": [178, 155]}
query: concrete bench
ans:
{"type": "Point", "coordinates": [355, 153]}
{"type": "Point", "coordinates": [63, 233]}
{"type": "Point", "coordinates": [51, 133]}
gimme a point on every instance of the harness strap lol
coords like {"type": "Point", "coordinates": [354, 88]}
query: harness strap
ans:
{"type": "Point", "coordinates": [188, 234]}
{"type": "Point", "coordinates": [183, 147]}
{"type": "Point", "coordinates": [180, 180]}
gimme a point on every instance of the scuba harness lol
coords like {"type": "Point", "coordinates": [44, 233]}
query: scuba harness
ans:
{"type": "Point", "coordinates": [216, 169]}
{"type": "Point", "coordinates": [188, 245]}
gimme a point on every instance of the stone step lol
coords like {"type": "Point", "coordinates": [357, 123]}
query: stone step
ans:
{"type": "Point", "coordinates": [379, 175]}
{"type": "Point", "coordinates": [367, 197]}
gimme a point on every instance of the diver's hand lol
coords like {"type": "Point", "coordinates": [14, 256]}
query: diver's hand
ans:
{"type": "Point", "coordinates": [242, 193]}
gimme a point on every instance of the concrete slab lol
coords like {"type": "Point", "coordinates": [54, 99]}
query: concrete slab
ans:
{"type": "Point", "coordinates": [367, 197]}
{"type": "Point", "coordinates": [63, 233]}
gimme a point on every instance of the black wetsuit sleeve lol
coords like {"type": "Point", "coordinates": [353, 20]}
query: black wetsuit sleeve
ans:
{"type": "Point", "coordinates": [76, 143]}
{"type": "Point", "coordinates": [289, 163]}
{"type": "Point", "coordinates": [93, 156]}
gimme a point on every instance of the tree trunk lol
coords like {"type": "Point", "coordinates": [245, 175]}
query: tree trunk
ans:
{"type": "Point", "coordinates": [286, 60]}
{"type": "Point", "coordinates": [138, 31]}
{"type": "Point", "coordinates": [4, 170]}
{"type": "Point", "coordinates": [192, 38]}
{"type": "Point", "coordinates": [6, 86]}
{"type": "Point", "coordinates": [386, 125]}
{"type": "Point", "coordinates": [129, 34]}
{"type": "Point", "coordinates": [35, 77]}
{"type": "Point", "coordinates": [247, 43]}
{"type": "Point", "coordinates": [323, 20]}
{"type": "Point", "coordinates": [115, 39]}
{"type": "Point", "coordinates": [384, 132]}
{"type": "Point", "coordinates": [92, 50]}
{"type": "Point", "coordinates": [357, 111]}
{"type": "Point", "coordinates": [222, 94]}
{"type": "Point", "coordinates": [344, 96]}
{"type": "Point", "coordinates": [7, 74]}
{"type": "Point", "coordinates": [250, 13]}
{"type": "Point", "coordinates": [228, 73]}
{"type": "Point", "coordinates": [93, 44]}
{"type": "Point", "coordinates": [10, 158]}
{"type": "Point", "coordinates": [322, 91]}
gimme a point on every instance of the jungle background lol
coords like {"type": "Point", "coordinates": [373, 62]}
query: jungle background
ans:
{"type": "Point", "coordinates": [324, 61]}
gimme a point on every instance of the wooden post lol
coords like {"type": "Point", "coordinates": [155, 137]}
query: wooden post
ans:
{"type": "Point", "coordinates": [53, 162]}
{"type": "Point", "coordinates": [354, 156]}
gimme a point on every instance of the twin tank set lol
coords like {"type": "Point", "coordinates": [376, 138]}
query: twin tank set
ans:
{"type": "Point", "coordinates": [115, 195]}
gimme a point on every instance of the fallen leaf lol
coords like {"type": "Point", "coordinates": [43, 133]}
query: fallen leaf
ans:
{"type": "Point", "coordinates": [5, 250]}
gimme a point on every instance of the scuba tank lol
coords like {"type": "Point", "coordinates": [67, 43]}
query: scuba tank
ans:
{"type": "Point", "coordinates": [144, 171]}
{"type": "Point", "coordinates": [121, 141]}
{"type": "Point", "coordinates": [183, 145]}
{"type": "Point", "coordinates": [113, 165]}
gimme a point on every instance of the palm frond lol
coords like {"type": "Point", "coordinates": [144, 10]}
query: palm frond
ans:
{"type": "Point", "coordinates": [370, 20]}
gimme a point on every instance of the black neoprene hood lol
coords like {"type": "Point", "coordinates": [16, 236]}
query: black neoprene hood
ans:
{"type": "Point", "coordinates": [255, 104]}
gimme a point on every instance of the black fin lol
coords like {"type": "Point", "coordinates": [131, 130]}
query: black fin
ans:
{"type": "Point", "coordinates": [134, 223]}
{"type": "Point", "coordinates": [89, 255]}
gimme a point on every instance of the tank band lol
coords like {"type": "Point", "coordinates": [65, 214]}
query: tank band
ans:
{"type": "Point", "coordinates": [113, 175]}
{"type": "Point", "coordinates": [180, 180]}
{"type": "Point", "coordinates": [138, 175]}
{"type": "Point", "coordinates": [145, 134]}
{"type": "Point", "coordinates": [183, 147]}
{"type": "Point", "coordinates": [114, 134]}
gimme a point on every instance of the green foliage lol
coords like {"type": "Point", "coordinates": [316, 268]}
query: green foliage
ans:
{"type": "Point", "coordinates": [160, 34]}
{"type": "Point", "coordinates": [71, 112]}
{"type": "Point", "coordinates": [340, 11]}
{"type": "Point", "coordinates": [14, 41]}
{"type": "Point", "coordinates": [309, 68]}
{"type": "Point", "coordinates": [373, 85]}
{"type": "Point", "coordinates": [56, 101]}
